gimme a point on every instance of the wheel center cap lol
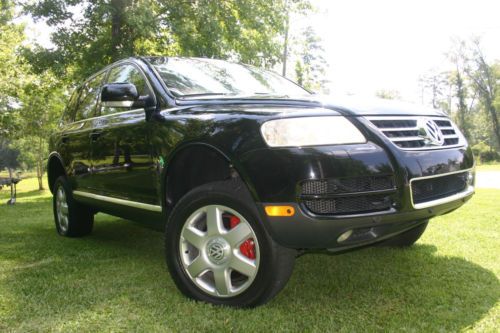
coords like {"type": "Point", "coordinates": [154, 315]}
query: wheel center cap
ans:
{"type": "Point", "coordinates": [218, 250]}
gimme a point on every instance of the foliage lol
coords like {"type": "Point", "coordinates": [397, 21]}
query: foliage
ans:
{"type": "Point", "coordinates": [388, 94]}
{"type": "Point", "coordinates": [42, 101]}
{"type": "Point", "coordinates": [11, 73]}
{"type": "Point", "coordinates": [436, 86]}
{"type": "Point", "coordinates": [475, 92]}
{"type": "Point", "coordinates": [484, 152]}
{"type": "Point", "coordinates": [91, 34]}
{"type": "Point", "coordinates": [8, 156]}
{"type": "Point", "coordinates": [311, 65]}
{"type": "Point", "coordinates": [469, 94]}
{"type": "Point", "coordinates": [485, 79]}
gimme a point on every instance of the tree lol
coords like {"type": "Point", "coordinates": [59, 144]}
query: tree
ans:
{"type": "Point", "coordinates": [388, 94]}
{"type": "Point", "coordinates": [42, 102]}
{"type": "Point", "coordinates": [437, 86]}
{"type": "Point", "coordinates": [8, 159]}
{"type": "Point", "coordinates": [11, 72]}
{"type": "Point", "coordinates": [105, 31]}
{"type": "Point", "coordinates": [310, 66]}
{"type": "Point", "coordinates": [485, 79]}
{"type": "Point", "coordinates": [298, 7]}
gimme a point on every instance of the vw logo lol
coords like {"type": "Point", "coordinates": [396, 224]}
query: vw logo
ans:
{"type": "Point", "coordinates": [430, 132]}
{"type": "Point", "coordinates": [217, 250]}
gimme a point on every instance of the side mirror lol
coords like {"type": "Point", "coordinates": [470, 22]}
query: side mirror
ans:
{"type": "Point", "coordinates": [116, 95]}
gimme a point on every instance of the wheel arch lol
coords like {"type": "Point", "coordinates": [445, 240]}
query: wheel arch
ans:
{"type": "Point", "coordinates": [181, 173]}
{"type": "Point", "coordinates": [55, 168]}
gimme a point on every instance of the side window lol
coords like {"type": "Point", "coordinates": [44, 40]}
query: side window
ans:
{"type": "Point", "coordinates": [129, 74]}
{"type": "Point", "coordinates": [69, 112]}
{"type": "Point", "coordinates": [126, 74]}
{"type": "Point", "coordinates": [88, 98]}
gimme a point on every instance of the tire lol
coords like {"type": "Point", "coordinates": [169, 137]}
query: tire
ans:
{"type": "Point", "coordinates": [219, 252]}
{"type": "Point", "coordinates": [407, 238]}
{"type": "Point", "coordinates": [72, 219]}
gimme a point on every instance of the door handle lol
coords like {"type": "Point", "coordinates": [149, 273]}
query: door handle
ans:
{"type": "Point", "coordinates": [94, 135]}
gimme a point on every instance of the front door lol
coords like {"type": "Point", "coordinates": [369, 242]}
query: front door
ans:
{"type": "Point", "coordinates": [122, 164]}
{"type": "Point", "coordinates": [75, 139]}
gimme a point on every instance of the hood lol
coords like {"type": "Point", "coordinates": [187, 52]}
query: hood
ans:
{"type": "Point", "coordinates": [347, 105]}
{"type": "Point", "coordinates": [369, 106]}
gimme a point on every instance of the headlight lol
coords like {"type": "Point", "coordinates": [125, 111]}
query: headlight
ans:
{"type": "Point", "coordinates": [310, 131]}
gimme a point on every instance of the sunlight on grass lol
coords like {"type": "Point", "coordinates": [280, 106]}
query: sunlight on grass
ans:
{"type": "Point", "coordinates": [488, 167]}
{"type": "Point", "coordinates": [116, 279]}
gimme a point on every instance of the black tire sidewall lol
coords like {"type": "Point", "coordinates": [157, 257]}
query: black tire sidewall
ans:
{"type": "Point", "coordinates": [61, 182]}
{"type": "Point", "coordinates": [199, 198]}
{"type": "Point", "coordinates": [80, 219]}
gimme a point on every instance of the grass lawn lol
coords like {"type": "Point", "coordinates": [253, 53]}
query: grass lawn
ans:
{"type": "Point", "coordinates": [488, 167]}
{"type": "Point", "coordinates": [116, 279]}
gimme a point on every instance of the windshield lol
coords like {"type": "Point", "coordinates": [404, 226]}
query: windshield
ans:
{"type": "Point", "coordinates": [190, 77]}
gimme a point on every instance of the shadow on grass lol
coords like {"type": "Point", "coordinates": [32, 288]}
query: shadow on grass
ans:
{"type": "Point", "coordinates": [55, 279]}
{"type": "Point", "coordinates": [32, 196]}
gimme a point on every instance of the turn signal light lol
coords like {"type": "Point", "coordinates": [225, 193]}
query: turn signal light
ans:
{"type": "Point", "coordinates": [280, 210]}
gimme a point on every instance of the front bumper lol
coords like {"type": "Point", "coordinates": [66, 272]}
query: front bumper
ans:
{"type": "Point", "coordinates": [305, 231]}
{"type": "Point", "coordinates": [287, 168]}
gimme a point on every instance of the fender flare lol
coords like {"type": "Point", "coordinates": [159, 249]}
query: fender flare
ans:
{"type": "Point", "coordinates": [179, 149]}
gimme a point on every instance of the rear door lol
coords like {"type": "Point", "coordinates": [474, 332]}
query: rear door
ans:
{"type": "Point", "coordinates": [122, 161]}
{"type": "Point", "coordinates": [75, 146]}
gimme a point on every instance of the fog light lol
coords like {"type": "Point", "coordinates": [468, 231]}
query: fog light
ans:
{"type": "Point", "coordinates": [470, 178]}
{"type": "Point", "coordinates": [344, 236]}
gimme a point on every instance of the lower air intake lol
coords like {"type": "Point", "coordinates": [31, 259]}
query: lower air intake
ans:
{"type": "Point", "coordinates": [349, 205]}
{"type": "Point", "coordinates": [438, 187]}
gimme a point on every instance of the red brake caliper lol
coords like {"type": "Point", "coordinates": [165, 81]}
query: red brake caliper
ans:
{"type": "Point", "coordinates": [248, 246]}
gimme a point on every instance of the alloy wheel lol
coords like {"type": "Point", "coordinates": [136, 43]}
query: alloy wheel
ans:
{"type": "Point", "coordinates": [62, 210]}
{"type": "Point", "coordinates": [219, 251]}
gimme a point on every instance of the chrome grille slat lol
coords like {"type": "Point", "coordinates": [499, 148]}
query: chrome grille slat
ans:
{"type": "Point", "coordinates": [398, 129]}
{"type": "Point", "coordinates": [407, 138]}
{"type": "Point", "coordinates": [404, 132]}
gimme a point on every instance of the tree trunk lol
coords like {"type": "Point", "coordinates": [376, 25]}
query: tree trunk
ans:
{"type": "Point", "coordinates": [11, 184]}
{"type": "Point", "coordinates": [494, 120]}
{"type": "Point", "coordinates": [39, 164]}
{"type": "Point", "coordinates": [285, 46]}
{"type": "Point", "coordinates": [117, 11]}
{"type": "Point", "coordinates": [462, 106]}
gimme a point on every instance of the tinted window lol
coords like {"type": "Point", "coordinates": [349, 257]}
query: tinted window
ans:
{"type": "Point", "coordinates": [69, 112]}
{"type": "Point", "coordinates": [129, 74]}
{"type": "Point", "coordinates": [126, 74]}
{"type": "Point", "coordinates": [88, 98]}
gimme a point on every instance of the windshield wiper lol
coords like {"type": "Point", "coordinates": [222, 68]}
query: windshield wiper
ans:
{"type": "Point", "coordinates": [207, 94]}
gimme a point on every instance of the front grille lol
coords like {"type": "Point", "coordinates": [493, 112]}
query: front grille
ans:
{"type": "Point", "coordinates": [406, 133]}
{"type": "Point", "coordinates": [353, 195]}
{"type": "Point", "coordinates": [349, 205]}
{"type": "Point", "coordinates": [438, 187]}
{"type": "Point", "coordinates": [347, 185]}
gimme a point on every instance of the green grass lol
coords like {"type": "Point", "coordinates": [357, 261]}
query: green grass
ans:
{"type": "Point", "coordinates": [116, 280]}
{"type": "Point", "coordinates": [488, 167]}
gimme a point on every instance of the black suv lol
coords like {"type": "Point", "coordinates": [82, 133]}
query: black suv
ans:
{"type": "Point", "coordinates": [243, 170]}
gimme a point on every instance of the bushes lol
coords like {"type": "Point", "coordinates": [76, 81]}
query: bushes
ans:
{"type": "Point", "coordinates": [485, 153]}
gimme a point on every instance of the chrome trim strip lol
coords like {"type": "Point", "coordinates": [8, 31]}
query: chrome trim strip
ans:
{"type": "Point", "coordinates": [409, 117]}
{"type": "Point", "coordinates": [457, 196]}
{"type": "Point", "coordinates": [117, 104]}
{"type": "Point", "coordinates": [123, 202]}
{"type": "Point", "coordinates": [106, 116]}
